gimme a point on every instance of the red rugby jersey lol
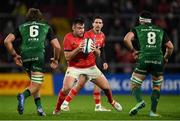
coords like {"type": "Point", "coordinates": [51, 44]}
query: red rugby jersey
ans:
{"type": "Point", "coordinates": [81, 60]}
{"type": "Point", "coordinates": [99, 38]}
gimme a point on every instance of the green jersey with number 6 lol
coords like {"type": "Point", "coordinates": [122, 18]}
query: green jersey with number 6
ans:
{"type": "Point", "coordinates": [150, 39]}
{"type": "Point", "coordinates": [33, 35]}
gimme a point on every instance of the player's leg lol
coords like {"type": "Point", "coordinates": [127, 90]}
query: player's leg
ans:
{"type": "Point", "coordinates": [67, 85]}
{"type": "Point", "coordinates": [37, 100]}
{"type": "Point", "coordinates": [37, 77]}
{"type": "Point", "coordinates": [157, 78]}
{"type": "Point", "coordinates": [97, 99]}
{"type": "Point", "coordinates": [136, 81]}
{"type": "Point", "coordinates": [34, 87]}
{"type": "Point", "coordinates": [73, 92]}
{"type": "Point", "coordinates": [102, 82]}
{"type": "Point", "coordinates": [37, 80]}
{"type": "Point", "coordinates": [21, 97]}
{"type": "Point", "coordinates": [97, 96]}
{"type": "Point", "coordinates": [157, 81]}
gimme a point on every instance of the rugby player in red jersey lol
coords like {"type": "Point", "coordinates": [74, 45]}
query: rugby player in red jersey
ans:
{"type": "Point", "coordinates": [98, 36]}
{"type": "Point", "coordinates": [75, 58]}
{"type": "Point", "coordinates": [82, 67]}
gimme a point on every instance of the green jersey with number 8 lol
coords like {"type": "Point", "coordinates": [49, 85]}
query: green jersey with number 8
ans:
{"type": "Point", "coordinates": [150, 39]}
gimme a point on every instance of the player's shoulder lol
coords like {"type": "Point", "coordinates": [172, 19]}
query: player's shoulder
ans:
{"type": "Point", "coordinates": [68, 35]}
{"type": "Point", "coordinates": [157, 27]}
{"type": "Point", "coordinates": [24, 24]}
{"type": "Point", "coordinates": [102, 33]}
{"type": "Point", "coordinates": [43, 23]}
{"type": "Point", "coordinates": [89, 32]}
{"type": "Point", "coordinates": [138, 26]}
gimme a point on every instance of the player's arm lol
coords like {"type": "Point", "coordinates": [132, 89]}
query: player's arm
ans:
{"type": "Point", "coordinates": [169, 48]}
{"type": "Point", "coordinates": [8, 44]}
{"type": "Point", "coordinates": [103, 57]}
{"type": "Point", "coordinates": [128, 40]}
{"type": "Point", "coordinates": [96, 51]}
{"type": "Point", "coordinates": [70, 53]}
{"type": "Point", "coordinates": [56, 48]}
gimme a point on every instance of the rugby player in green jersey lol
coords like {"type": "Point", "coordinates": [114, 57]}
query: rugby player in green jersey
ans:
{"type": "Point", "coordinates": [150, 59]}
{"type": "Point", "coordinates": [33, 34]}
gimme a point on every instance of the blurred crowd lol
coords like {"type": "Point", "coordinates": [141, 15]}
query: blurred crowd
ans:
{"type": "Point", "coordinates": [119, 17]}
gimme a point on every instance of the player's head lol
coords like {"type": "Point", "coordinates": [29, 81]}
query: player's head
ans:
{"type": "Point", "coordinates": [34, 14]}
{"type": "Point", "coordinates": [78, 26]}
{"type": "Point", "coordinates": [145, 17]}
{"type": "Point", "coordinates": [97, 23]}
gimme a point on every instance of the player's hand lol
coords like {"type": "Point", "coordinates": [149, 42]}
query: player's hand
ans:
{"type": "Point", "coordinates": [54, 63]}
{"type": "Point", "coordinates": [93, 47]}
{"type": "Point", "coordinates": [165, 62]}
{"type": "Point", "coordinates": [17, 59]}
{"type": "Point", "coordinates": [105, 66]}
{"type": "Point", "coordinates": [135, 54]}
{"type": "Point", "coordinates": [81, 46]}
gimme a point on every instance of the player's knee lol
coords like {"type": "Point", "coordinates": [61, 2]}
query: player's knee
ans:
{"type": "Point", "coordinates": [66, 90]}
{"type": "Point", "coordinates": [37, 79]}
{"type": "Point", "coordinates": [157, 84]}
{"type": "Point", "coordinates": [158, 88]}
{"type": "Point", "coordinates": [80, 85]}
{"type": "Point", "coordinates": [135, 82]}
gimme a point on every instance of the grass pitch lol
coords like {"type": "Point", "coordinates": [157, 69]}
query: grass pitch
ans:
{"type": "Point", "coordinates": [82, 108]}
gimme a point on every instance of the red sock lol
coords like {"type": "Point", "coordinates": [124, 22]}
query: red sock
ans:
{"type": "Point", "coordinates": [61, 97]}
{"type": "Point", "coordinates": [108, 93]}
{"type": "Point", "coordinates": [71, 94]}
{"type": "Point", "coordinates": [97, 97]}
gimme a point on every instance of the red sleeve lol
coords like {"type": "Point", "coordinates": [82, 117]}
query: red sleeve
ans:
{"type": "Point", "coordinates": [67, 43]}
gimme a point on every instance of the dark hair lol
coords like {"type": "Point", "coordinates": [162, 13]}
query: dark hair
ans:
{"type": "Point", "coordinates": [97, 17]}
{"type": "Point", "coordinates": [79, 20]}
{"type": "Point", "coordinates": [34, 14]}
{"type": "Point", "coordinates": [145, 14]}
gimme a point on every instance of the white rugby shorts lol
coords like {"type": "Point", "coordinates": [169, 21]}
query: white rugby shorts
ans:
{"type": "Point", "coordinates": [91, 72]}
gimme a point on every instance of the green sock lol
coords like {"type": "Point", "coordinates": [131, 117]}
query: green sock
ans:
{"type": "Point", "coordinates": [38, 102]}
{"type": "Point", "coordinates": [26, 93]}
{"type": "Point", "coordinates": [154, 99]}
{"type": "Point", "coordinates": [136, 92]}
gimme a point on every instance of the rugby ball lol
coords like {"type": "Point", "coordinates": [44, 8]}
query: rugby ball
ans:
{"type": "Point", "coordinates": [87, 47]}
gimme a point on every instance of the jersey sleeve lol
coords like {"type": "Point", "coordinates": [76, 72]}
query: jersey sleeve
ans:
{"type": "Point", "coordinates": [17, 33]}
{"type": "Point", "coordinates": [134, 31]}
{"type": "Point", "coordinates": [67, 44]}
{"type": "Point", "coordinates": [165, 38]}
{"type": "Point", "coordinates": [50, 34]}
